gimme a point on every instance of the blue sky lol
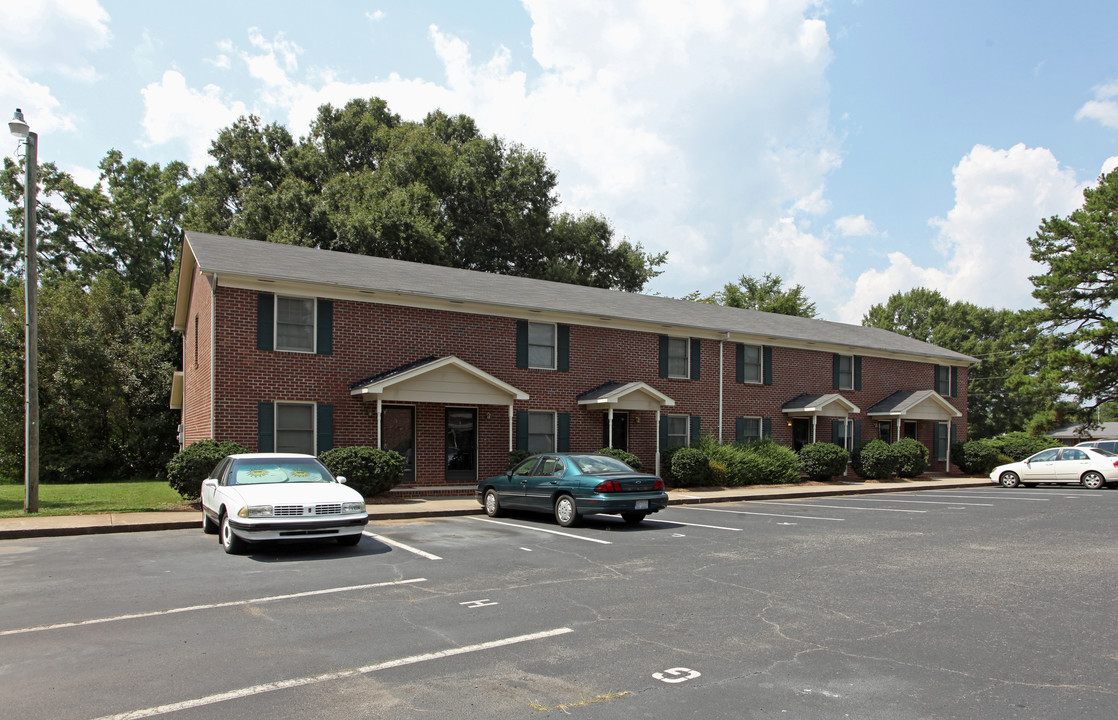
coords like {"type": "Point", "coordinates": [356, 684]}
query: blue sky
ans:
{"type": "Point", "coordinates": [855, 148]}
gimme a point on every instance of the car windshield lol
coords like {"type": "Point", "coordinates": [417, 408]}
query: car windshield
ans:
{"type": "Point", "coordinates": [599, 464]}
{"type": "Point", "coordinates": [278, 470]}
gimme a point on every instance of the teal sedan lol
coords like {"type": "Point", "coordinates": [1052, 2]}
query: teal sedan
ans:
{"type": "Point", "coordinates": [571, 485]}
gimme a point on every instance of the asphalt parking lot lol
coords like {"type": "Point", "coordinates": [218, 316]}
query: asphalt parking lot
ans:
{"type": "Point", "coordinates": [982, 602]}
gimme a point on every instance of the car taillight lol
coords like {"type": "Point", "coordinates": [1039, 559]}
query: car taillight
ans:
{"type": "Point", "coordinates": [608, 486]}
{"type": "Point", "coordinates": [660, 483]}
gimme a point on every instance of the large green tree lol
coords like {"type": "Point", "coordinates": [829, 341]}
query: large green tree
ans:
{"type": "Point", "coordinates": [997, 400]}
{"type": "Point", "coordinates": [1079, 294]}
{"type": "Point", "coordinates": [437, 191]}
{"type": "Point", "coordinates": [767, 294]}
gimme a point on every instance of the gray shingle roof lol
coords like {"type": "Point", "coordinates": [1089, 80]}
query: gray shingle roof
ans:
{"type": "Point", "coordinates": [275, 261]}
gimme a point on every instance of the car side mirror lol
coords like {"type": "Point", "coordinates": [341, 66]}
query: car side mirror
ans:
{"type": "Point", "coordinates": [209, 481]}
{"type": "Point", "coordinates": [508, 474]}
{"type": "Point", "coordinates": [341, 479]}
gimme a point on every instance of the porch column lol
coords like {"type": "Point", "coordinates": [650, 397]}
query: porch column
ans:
{"type": "Point", "coordinates": [609, 424]}
{"type": "Point", "coordinates": [814, 421]}
{"type": "Point", "coordinates": [380, 418]}
{"type": "Point", "coordinates": [512, 433]}
{"type": "Point", "coordinates": [900, 428]}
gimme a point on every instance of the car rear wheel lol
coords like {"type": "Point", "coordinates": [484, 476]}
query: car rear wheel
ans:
{"type": "Point", "coordinates": [349, 540]}
{"type": "Point", "coordinates": [565, 512]}
{"type": "Point", "coordinates": [230, 543]}
{"type": "Point", "coordinates": [633, 518]}
{"type": "Point", "coordinates": [208, 525]}
{"type": "Point", "coordinates": [1009, 479]}
{"type": "Point", "coordinates": [492, 505]}
{"type": "Point", "coordinates": [1093, 480]}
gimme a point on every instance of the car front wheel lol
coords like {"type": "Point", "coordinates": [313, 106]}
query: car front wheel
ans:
{"type": "Point", "coordinates": [565, 512]}
{"type": "Point", "coordinates": [1093, 480]}
{"type": "Point", "coordinates": [492, 505]}
{"type": "Point", "coordinates": [1009, 479]}
{"type": "Point", "coordinates": [349, 540]}
{"type": "Point", "coordinates": [229, 540]}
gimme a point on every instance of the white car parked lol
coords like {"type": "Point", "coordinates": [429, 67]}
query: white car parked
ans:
{"type": "Point", "coordinates": [278, 496]}
{"type": "Point", "coordinates": [1090, 467]}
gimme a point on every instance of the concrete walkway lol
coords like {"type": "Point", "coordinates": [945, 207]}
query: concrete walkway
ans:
{"type": "Point", "coordinates": [58, 525]}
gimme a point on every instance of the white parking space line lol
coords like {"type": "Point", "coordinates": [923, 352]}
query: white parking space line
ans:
{"type": "Point", "coordinates": [838, 507]}
{"type": "Point", "coordinates": [677, 522]}
{"type": "Point", "coordinates": [992, 497]}
{"type": "Point", "coordinates": [402, 546]}
{"type": "Point", "coordinates": [232, 603]}
{"type": "Point", "coordinates": [540, 529]}
{"type": "Point", "coordinates": [327, 677]}
{"type": "Point", "coordinates": [744, 512]}
{"type": "Point", "coordinates": [921, 502]}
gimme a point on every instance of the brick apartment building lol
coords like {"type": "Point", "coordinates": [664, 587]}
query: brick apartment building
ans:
{"type": "Point", "coordinates": [295, 349]}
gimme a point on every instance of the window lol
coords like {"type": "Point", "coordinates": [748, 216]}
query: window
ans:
{"type": "Point", "coordinates": [677, 431]}
{"type": "Point", "coordinates": [541, 432]}
{"type": "Point", "coordinates": [295, 428]}
{"type": "Point", "coordinates": [841, 434]}
{"type": "Point", "coordinates": [1073, 454]}
{"type": "Point", "coordinates": [295, 324]}
{"type": "Point", "coordinates": [751, 430]}
{"type": "Point", "coordinates": [678, 357]}
{"type": "Point", "coordinates": [541, 345]}
{"type": "Point", "coordinates": [910, 429]}
{"type": "Point", "coordinates": [844, 372]}
{"type": "Point", "coordinates": [885, 431]}
{"type": "Point", "coordinates": [753, 370]}
{"type": "Point", "coordinates": [940, 441]}
{"type": "Point", "coordinates": [943, 380]}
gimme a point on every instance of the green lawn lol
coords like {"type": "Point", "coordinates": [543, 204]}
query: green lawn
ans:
{"type": "Point", "coordinates": [92, 498]}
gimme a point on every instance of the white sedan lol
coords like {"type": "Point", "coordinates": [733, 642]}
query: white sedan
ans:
{"type": "Point", "coordinates": [278, 496]}
{"type": "Point", "coordinates": [1090, 467]}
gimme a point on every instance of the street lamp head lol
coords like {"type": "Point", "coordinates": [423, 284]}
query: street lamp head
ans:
{"type": "Point", "coordinates": [18, 126]}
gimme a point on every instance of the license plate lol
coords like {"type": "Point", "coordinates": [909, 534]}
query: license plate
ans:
{"type": "Point", "coordinates": [641, 505]}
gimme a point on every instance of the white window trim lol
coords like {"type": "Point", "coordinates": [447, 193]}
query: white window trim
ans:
{"type": "Point", "coordinates": [760, 428]}
{"type": "Point", "coordinates": [687, 348]}
{"type": "Point", "coordinates": [554, 346]}
{"type": "Point", "coordinates": [760, 365]}
{"type": "Point", "coordinates": [946, 440]}
{"type": "Point", "coordinates": [314, 324]}
{"type": "Point", "coordinates": [554, 430]}
{"type": "Point", "coordinates": [686, 430]}
{"type": "Point", "coordinates": [314, 423]}
{"type": "Point", "coordinates": [851, 385]}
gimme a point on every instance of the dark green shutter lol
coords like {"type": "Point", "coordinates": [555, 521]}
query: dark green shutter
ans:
{"type": "Point", "coordinates": [857, 372]}
{"type": "Point", "coordinates": [563, 361]}
{"type": "Point", "coordinates": [663, 432]}
{"type": "Point", "coordinates": [766, 428]}
{"type": "Point", "coordinates": [954, 382]}
{"type": "Point", "coordinates": [663, 356]}
{"type": "Point", "coordinates": [741, 363]}
{"type": "Point", "coordinates": [522, 344]}
{"type": "Point", "coordinates": [936, 384]}
{"type": "Point", "coordinates": [265, 427]}
{"type": "Point", "coordinates": [696, 429]}
{"type": "Point", "coordinates": [856, 440]}
{"type": "Point", "coordinates": [324, 344]}
{"type": "Point", "coordinates": [739, 429]}
{"type": "Point", "coordinates": [563, 435]}
{"type": "Point", "coordinates": [324, 428]}
{"type": "Point", "coordinates": [836, 438]}
{"type": "Point", "coordinates": [522, 430]}
{"type": "Point", "coordinates": [696, 346]}
{"type": "Point", "coordinates": [265, 321]}
{"type": "Point", "coordinates": [767, 370]}
{"type": "Point", "coordinates": [835, 371]}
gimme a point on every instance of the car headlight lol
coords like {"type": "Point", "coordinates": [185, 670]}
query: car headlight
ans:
{"type": "Point", "coordinates": [353, 507]}
{"type": "Point", "coordinates": [255, 511]}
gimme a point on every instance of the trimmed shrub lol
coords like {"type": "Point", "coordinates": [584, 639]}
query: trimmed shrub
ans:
{"type": "Point", "coordinates": [1019, 445]}
{"type": "Point", "coordinates": [624, 456]}
{"type": "Point", "coordinates": [977, 457]}
{"type": "Point", "coordinates": [189, 467]}
{"type": "Point", "coordinates": [718, 473]}
{"type": "Point", "coordinates": [773, 463]}
{"type": "Point", "coordinates": [666, 457]}
{"type": "Point", "coordinates": [823, 460]}
{"type": "Point", "coordinates": [690, 465]}
{"type": "Point", "coordinates": [874, 460]}
{"type": "Point", "coordinates": [911, 457]}
{"type": "Point", "coordinates": [368, 470]}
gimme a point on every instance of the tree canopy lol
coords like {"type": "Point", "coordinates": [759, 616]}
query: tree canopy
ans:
{"type": "Point", "coordinates": [437, 192]}
{"type": "Point", "coordinates": [1079, 294]}
{"type": "Point", "coordinates": [766, 294]}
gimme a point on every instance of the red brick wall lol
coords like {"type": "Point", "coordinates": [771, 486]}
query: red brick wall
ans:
{"type": "Point", "coordinates": [370, 338]}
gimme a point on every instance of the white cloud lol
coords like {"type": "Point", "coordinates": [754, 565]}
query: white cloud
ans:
{"type": "Point", "coordinates": [1001, 196]}
{"type": "Point", "coordinates": [855, 226]}
{"type": "Point", "coordinates": [175, 112]}
{"type": "Point", "coordinates": [1104, 108]}
{"type": "Point", "coordinates": [1109, 165]}
{"type": "Point", "coordinates": [375, 16]}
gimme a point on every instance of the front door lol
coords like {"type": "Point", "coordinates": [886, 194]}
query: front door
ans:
{"type": "Point", "coordinates": [399, 435]}
{"type": "Point", "coordinates": [461, 446]}
{"type": "Point", "coordinates": [620, 431]}
{"type": "Point", "coordinates": [801, 433]}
